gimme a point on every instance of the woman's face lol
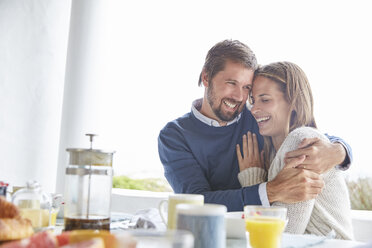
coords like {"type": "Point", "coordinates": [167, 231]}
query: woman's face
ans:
{"type": "Point", "coordinates": [270, 108]}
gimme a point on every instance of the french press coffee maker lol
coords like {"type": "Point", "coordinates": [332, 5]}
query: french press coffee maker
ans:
{"type": "Point", "coordinates": [88, 188]}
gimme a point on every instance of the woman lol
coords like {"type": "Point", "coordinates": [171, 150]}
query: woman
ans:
{"type": "Point", "coordinates": [282, 104]}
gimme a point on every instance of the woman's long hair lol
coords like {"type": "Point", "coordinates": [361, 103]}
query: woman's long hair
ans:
{"type": "Point", "coordinates": [295, 86]}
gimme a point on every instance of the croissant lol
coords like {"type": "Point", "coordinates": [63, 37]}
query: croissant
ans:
{"type": "Point", "coordinates": [7, 209]}
{"type": "Point", "coordinates": [12, 225]}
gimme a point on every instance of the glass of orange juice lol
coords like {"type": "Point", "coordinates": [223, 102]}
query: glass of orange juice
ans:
{"type": "Point", "coordinates": [264, 225]}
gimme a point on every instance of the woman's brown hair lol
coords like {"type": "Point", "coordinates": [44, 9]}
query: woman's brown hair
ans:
{"type": "Point", "coordinates": [295, 86]}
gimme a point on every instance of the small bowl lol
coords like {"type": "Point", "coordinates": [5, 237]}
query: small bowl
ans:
{"type": "Point", "coordinates": [235, 225]}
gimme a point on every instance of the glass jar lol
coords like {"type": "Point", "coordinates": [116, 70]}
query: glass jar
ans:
{"type": "Point", "coordinates": [88, 189]}
{"type": "Point", "coordinates": [35, 205]}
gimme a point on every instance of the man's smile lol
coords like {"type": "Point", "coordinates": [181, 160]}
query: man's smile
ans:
{"type": "Point", "coordinates": [229, 104]}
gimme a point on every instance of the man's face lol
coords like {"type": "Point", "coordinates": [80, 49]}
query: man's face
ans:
{"type": "Point", "coordinates": [227, 92]}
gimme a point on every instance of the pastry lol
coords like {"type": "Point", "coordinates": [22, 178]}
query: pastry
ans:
{"type": "Point", "coordinates": [7, 209]}
{"type": "Point", "coordinates": [12, 225]}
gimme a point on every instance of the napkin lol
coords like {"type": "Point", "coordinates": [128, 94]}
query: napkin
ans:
{"type": "Point", "coordinates": [143, 219]}
{"type": "Point", "coordinates": [305, 240]}
{"type": "Point", "coordinates": [148, 219]}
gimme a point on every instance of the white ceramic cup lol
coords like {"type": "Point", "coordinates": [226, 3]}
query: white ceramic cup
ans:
{"type": "Point", "coordinates": [206, 223]}
{"type": "Point", "coordinates": [168, 207]}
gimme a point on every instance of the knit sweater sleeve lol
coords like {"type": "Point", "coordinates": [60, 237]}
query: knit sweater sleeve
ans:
{"type": "Point", "coordinates": [298, 213]}
{"type": "Point", "coordinates": [252, 176]}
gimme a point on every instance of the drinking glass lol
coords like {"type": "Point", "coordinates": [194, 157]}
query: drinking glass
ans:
{"type": "Point", "coordinates": [264, 225]}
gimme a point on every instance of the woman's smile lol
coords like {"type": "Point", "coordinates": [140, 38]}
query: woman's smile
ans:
{"type": "Point", "coordinates": [270, 108]}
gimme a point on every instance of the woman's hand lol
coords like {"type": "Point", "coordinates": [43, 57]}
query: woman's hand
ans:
{"type": "Point", "coordinates": [251, 153]}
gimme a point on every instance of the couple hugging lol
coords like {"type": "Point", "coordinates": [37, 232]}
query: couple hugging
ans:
{"type": "Point", "coordinates": [252, 140]}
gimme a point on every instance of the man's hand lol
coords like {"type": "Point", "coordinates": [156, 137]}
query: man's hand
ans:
{"type": "Point", "coordinates": [294, 184]}
{"type": "Point", "coordinates": [321, 156]}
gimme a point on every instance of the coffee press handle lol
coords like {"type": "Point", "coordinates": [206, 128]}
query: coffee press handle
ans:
{"type": "Point", "coordinates": [91, 136]}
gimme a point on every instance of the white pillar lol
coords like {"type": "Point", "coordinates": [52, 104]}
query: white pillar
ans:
{"type": "Point", "coordinates": [84, 74]}
{"type": "Point", "coordinates": [33, 42]}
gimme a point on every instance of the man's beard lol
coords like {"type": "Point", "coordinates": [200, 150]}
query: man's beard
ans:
{"type": "Point", "coordinates": [211, 97]}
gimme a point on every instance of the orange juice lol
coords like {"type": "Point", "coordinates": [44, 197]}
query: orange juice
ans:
{"type": "Point", "coordinates": [264, 232]}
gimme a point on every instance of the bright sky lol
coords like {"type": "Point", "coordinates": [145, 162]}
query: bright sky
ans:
{"type": "Point", "coordinates": [157, 49]}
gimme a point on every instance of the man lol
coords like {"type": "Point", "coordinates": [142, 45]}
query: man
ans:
{"type": "Point", "coordinates": [198, 149]}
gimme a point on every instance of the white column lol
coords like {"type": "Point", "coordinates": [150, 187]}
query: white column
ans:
{"type": "Point", "coordinates": [84, 75]}
{"type": "Point", "coordinates": [33, 43]}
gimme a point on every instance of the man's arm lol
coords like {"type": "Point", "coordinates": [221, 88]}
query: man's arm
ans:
{"type": "Point", "coordinates": [321, 156]}
{"type": "Point", "coordinates": [348, 158]}
{"type": "Point", "coordinates": [290, 186]}
{"type": "Point", "coordinates": [294, 184]}
{"type": "Point", "coordinates": [185, 175]}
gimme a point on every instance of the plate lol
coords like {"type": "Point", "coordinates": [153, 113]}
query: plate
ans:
{"type": "Point", "coordinates": [235, 225]}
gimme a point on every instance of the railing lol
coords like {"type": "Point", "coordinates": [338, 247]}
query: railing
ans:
{"type": "Point", "coordinates": [362, 225]}
{"type": "Point", "coordinates": [129, 200]}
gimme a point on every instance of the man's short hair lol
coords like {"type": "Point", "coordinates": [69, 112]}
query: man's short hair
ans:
{"type": "Point", "coordinates": [232, 50]}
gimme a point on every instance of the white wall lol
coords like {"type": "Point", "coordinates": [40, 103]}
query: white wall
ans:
{"type": "Point", "coordinates": [33, 48]}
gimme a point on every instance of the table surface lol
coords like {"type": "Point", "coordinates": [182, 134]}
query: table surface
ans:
{"type": "Point", "coordinates": [301, 241]}
{"type": "Point", "coordinates": [288, 240]}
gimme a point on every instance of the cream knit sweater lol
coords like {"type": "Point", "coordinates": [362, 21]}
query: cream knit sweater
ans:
{"type": "Point", "coordinates": [330, 210]}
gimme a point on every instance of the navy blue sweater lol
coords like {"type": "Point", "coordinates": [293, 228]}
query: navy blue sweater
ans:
{"type": "Point", "coordinates": [201, 159]}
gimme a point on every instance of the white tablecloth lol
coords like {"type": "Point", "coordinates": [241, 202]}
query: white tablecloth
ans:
{"type": "Point", "coordinates": [303, 241]}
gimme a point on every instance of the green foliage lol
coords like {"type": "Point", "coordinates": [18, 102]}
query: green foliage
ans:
{"type": "Point", "coordinates": [360, 193]}
{"type": "Point", "coordinates": [150, 184]}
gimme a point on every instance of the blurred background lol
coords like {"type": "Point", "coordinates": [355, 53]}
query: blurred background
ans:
{"type": "Point", "coordinates": [123, 69]}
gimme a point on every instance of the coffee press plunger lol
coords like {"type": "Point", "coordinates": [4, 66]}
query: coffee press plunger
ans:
{"type": "Point", "coordinates": [88, 188]}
